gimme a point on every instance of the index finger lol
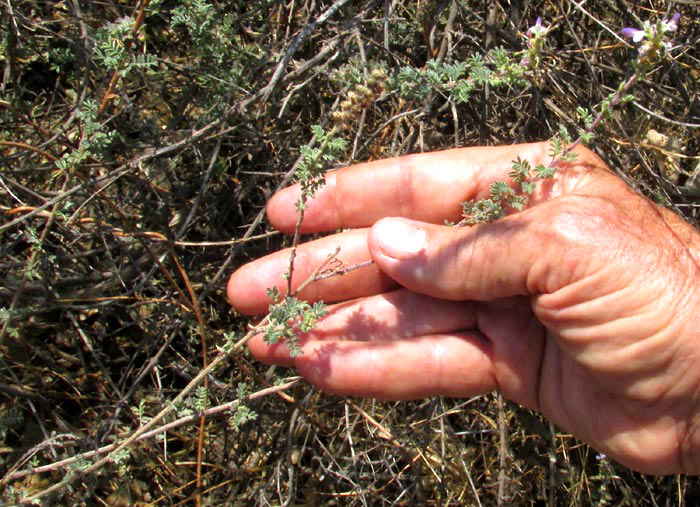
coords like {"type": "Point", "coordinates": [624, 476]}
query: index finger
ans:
{"type": "Point", "coordinates": [428, 187]}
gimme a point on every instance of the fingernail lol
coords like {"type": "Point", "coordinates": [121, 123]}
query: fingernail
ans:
{"type": "Point", "coordinates": [399, 239]}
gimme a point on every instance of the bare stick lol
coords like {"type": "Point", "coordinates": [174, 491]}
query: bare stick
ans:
{"type": "Point", "coordinates": [314, 275]}
{"type": "Point", "coordinates": [277, 75]}
{"type": "Point", "coordinates": [25, 146]}
{"type": "Point", "coordinates": [502, 451]}
{"type": "Point", "coordinates": [343, 270]}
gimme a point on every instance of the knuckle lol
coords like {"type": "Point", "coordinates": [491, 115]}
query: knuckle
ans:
{"type": "Point", "coordinates": [579, 236]}
{"type": "Point", "coordinates": [583, 221]}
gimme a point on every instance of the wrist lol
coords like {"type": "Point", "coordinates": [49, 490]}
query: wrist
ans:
{"type": "Point", "coordinates": [689, 342]}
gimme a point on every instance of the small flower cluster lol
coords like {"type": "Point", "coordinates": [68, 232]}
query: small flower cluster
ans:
{"type": "Point", "coordinates": [360, 97]}
{"type": "Point", "coordinates": [653, 38]}
{"type": "Point", "coordinates": [534, 36]}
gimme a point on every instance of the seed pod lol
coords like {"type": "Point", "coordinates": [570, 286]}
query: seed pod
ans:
{"type": "Point", "coordinates": [364, 92]}
{"type": "Point", "coordinates": [341, 115]}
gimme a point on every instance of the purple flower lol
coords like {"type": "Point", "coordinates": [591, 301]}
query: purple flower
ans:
{"type": "Point", "coordinates": [672, 24]}
{"type": "Point", "coordinates": [536, 29]}
{"type": "Point", "coordinates": [653, 35]}
{"type": "Point", "coordinates": [632, 33]}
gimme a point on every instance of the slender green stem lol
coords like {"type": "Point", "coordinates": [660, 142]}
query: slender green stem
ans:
{"type": "Point", "coordinates": [614, 101]}
{"type": "Point", "coordinates": [304, 199]}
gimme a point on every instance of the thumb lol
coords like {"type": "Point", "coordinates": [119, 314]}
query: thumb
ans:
{"type": "Point", "coordinates": [479, 262]}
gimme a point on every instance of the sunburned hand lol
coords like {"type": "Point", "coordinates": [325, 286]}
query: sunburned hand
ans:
{"type": "Point", "coordinates": [584, 306]}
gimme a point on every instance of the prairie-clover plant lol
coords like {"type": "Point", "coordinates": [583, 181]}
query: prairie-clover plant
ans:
{"type": "Point", "coordinates": [288, 315]}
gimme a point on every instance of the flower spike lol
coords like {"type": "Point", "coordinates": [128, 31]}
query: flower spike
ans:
{"type": "Point", "coordinates": [652, 39]}
{"type": "Point", "coordinates": [534, 36]}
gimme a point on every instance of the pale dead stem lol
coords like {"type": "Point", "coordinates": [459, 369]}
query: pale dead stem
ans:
{"type": "Point", "coordinates": [225, 407]}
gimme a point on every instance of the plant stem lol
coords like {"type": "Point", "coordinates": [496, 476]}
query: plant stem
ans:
{"type": "Point", "coordinates": [300, 218]}
{"type": "Point", "coordinates": [614, 101]}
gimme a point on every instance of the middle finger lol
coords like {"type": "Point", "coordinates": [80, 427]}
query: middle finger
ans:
{"type": "Point", "coordinates": [247, 287]}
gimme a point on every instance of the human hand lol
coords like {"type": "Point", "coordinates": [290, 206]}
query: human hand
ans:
{"type": "Point", "coordinates": [583, 306]}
